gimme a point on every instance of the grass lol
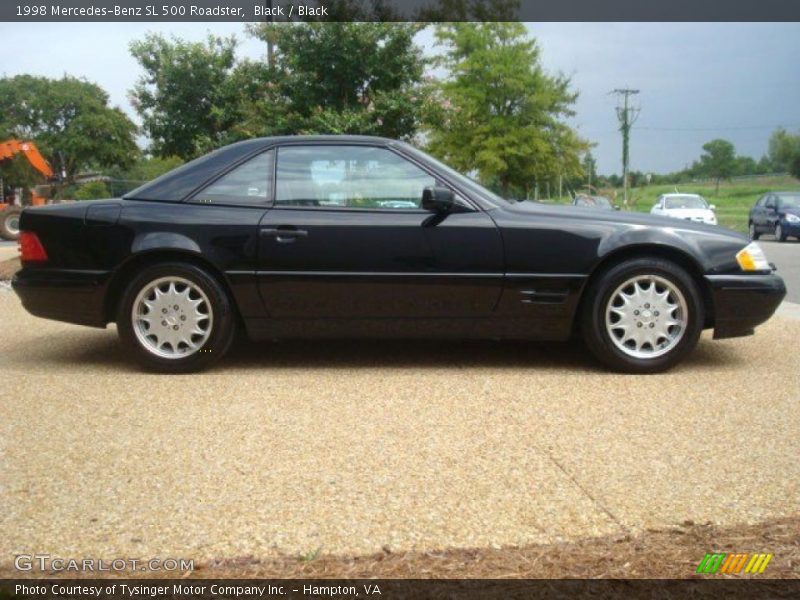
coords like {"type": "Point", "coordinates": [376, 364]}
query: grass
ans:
{"type": "Point", "coordinates": [734, 201]}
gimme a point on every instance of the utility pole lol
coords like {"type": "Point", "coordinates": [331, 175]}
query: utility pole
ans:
{"type": "Point", "coordinates": [270, 45]}
{"type": "Point", "coordinates": [627, 116]}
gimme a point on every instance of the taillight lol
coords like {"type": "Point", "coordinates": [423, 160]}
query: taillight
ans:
{"type": "Point", "coordinates": [30, 248]}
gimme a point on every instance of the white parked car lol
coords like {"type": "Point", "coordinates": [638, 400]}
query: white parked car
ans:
{"type": "Point", "coordinates": [691, 207]}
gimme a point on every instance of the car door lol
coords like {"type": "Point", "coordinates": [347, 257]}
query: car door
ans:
{"type": "Point", "coordinates": [347, 239]}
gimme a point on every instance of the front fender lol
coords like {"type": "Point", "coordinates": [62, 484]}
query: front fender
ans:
{"type": "Point", "coordinates": [711, 251]}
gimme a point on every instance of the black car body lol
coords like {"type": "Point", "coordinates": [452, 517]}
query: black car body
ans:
{"type": "Point", "coordinates": [293, 261]}
{"type": "Point", "coordinates": [776, 213]}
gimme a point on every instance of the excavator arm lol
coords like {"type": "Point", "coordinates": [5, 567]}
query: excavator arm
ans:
{"type": "Point", "coordinates": [10, 148]}
{"type": "Point", "coordinates": [9, 214]}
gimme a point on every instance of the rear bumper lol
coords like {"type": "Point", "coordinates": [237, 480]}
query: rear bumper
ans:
{"type": "Point", "coordinates": [742, 302]}
{"type": "Point", "coordinates": [70, 296]}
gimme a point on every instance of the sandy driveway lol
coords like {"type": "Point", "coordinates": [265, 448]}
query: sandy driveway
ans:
{"type": "Point", "coordinates": [347, 448]}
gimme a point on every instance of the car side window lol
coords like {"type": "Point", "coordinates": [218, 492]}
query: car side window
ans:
{"type": "Point", "coordinates": [249, 183]}
{"type": "Point", "coordinates": [329, 176]}
{"type": "Point", "coordinates": [770, 202]}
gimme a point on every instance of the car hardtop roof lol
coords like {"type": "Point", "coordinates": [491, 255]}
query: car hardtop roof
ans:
{"type": "Point", "coordinates": [313, 138]}
{"type": "Point", "coordinates": [681, 194]}
{"type": "Point", "coordinates": [178, 184]}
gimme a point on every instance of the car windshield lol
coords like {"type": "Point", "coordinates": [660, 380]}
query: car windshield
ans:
{"type": "Point", "coordinates": [789, 200]}
{"type": "Point", "coordinates": [685, 202]}
{"type": "Point", "coordinates": [463, 180]}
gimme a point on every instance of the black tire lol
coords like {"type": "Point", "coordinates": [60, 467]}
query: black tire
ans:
{"type": "Point", "coordinates": [9, 223]}
{"type": "Point", "coordinates": [754, 235]}
{"type": "Point", "coordinates": [780, 235]}
{"type": "Point", "coordinates": [599, 293]}
{"type": "Point", "coordinates": [222, 328]}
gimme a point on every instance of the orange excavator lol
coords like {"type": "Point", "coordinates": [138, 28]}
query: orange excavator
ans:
{"type": "Point", "coordinates": [10, 205]}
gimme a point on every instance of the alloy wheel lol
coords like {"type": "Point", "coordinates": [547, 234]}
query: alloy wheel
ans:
{"type": "Point", "coordinates": [172, 317]}
{"type": "Point", "coordinates": [646, 316]}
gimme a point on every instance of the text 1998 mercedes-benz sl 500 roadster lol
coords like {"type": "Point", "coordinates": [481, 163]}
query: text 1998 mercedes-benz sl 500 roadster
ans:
{"type": "Point", "coordinates": [339, 236]}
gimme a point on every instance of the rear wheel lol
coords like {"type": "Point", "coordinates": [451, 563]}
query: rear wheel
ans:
{"type": "Point", "coordinates": [642, 315]}
{"type": "Point", "coordinates": [176, 317]}
{"type": "Point", "coordinates": [754, 235]}
{"type": "Point", "coordinates": [9, 223]}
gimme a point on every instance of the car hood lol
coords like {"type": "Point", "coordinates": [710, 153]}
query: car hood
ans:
{"type": "Point", "coordinates": [792, 211]}
{"type": "Point", "coordinates": [528, 210]}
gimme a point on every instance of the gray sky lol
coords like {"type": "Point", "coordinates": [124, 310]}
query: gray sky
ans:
{"type": "Point", "coordinates": [698, 81]}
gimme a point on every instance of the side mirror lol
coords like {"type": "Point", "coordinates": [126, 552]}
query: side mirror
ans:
{"type": "Point", "coordinates": [712, 207]}
{"type": "Point", "coordinates": [438, 199]}
{"type": "Point", "coordinates": [616, 207]}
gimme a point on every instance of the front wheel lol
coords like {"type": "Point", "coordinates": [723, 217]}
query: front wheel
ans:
{"type": "Point", "coordinates": [754, 235]}
{"type": "Point", "coordinates": [176, 318]}
{"type": "Point", "coordinates": [642, 315]}
{"type": "Point", "coordinates": [779, 234]}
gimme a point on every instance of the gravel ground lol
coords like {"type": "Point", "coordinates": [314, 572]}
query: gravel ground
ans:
{"type": "Point", "coordinates": [348, 449]}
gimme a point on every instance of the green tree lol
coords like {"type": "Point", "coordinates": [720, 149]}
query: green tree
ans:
{"type": "Point", "coordinates": [342, 77]}
{"type": "Point", "coordinates": [784, 152]}
{"type": "Point", "coordinates": [745, 165]}
{"type": "Point", "coordinates": [92, 190]}
{"type": "Point", "coordinates": [188, 97]}
{"type": "Point", "coordinates": [70, 121]}
{"type": "Point", "coordinates": [147, 168]}
{"type": "Point", "coordinates": [718, 160]}
{"type": "Point", "coordinates": [497, 112]}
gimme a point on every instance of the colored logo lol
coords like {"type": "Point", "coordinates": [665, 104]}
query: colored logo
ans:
{"type": "Point", "coordinates": [722, 562]}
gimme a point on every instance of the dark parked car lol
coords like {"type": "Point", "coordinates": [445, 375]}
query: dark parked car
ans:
{"type": "Point", "coordinates": [777, 213]}
{"type": "Point", "coordinates": [593, 202]}
{"type": "Point", "coordinates": [356, 236]}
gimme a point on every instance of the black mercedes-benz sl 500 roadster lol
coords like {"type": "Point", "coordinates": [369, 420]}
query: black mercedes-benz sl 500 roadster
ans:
{"type": "Point", "coordinates": [339, 236]}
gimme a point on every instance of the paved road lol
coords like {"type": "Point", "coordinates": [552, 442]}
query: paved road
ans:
{"type": "Point", "coordinates": [345, 448]}
{"type": "Point", "coordinates": [786, 257]}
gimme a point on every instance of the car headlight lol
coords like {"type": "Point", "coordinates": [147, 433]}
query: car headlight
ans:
{"type": "Point", "coordinates": [752, 258]}
{"type": "Point", "coordinates": [790, 218]}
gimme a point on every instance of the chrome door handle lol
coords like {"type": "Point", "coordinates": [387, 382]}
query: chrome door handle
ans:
{"type": "Point", "coordinates": [283, 234]}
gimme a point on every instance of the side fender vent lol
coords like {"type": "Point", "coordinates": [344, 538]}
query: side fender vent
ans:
{"type": "Point", "coordinates": [544, 296]}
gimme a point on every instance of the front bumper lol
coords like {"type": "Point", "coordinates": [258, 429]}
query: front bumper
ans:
{"type": "Point", "coordinates": [70, 296]}
{"type": "Point", "coordinates": [742, 302]}
{"type": "Point", "coordinates": [790, 228]}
